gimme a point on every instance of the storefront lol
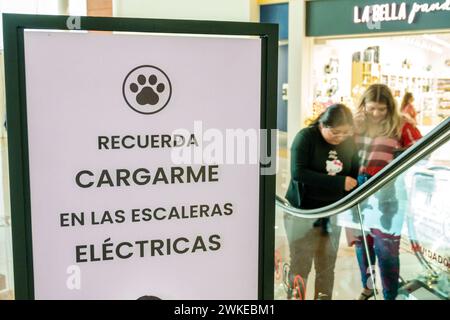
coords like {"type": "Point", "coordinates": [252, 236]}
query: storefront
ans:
{"type": "Point", "coordinates": [403, 44]}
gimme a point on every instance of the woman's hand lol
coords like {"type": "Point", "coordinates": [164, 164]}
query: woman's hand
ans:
{"type": "Point", "coordinates": [350, 183]}
{"type": "Point", "coordinates": [360, 116]}
{"type": "Point", "coordinates": [360, 122]}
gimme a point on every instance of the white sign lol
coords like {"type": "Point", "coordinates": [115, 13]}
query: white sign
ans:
{"type": "Point", "coordinates": [112, 216]}
{"type": "Point", "coordinates": [396, 12]}
{"type": "Point", "coordinates": [429, 218]}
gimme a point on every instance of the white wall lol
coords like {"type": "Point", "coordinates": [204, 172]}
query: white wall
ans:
{"type": "Point", "coordinates": [223, 10]}
{"type": "Point", "coordinates": [299, 69]}
{"type": "Point", "coordinates": [50, 7]}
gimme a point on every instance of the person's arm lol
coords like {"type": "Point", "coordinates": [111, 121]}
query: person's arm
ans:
{"type": "Point", "coordinates": [410, 111]}
{"type": "Point", "coordinates": [301, 160]}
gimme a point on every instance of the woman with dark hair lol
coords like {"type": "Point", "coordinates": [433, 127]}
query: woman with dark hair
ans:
{"type": "Point", "coordinates": [324, 167]}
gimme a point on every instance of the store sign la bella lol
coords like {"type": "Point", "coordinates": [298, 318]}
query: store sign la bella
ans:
{"type": "Point", "coordinates": [396, 12]}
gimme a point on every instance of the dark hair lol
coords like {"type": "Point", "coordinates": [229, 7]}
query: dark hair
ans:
{"type": "Point", "coordinates": [334, 116]}
{"type": "Point", "coordinates": [406, 98]}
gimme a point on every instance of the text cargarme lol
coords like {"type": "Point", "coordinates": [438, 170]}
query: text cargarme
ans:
{"type": "Point", "coordinates": [143, 176]}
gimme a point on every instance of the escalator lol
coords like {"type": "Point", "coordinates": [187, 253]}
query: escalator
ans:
{"type": "Point", "coordinates": [401, 216]}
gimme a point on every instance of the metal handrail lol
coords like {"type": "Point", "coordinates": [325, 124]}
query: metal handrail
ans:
{"type": "Point", "coordinates": [433, 140]}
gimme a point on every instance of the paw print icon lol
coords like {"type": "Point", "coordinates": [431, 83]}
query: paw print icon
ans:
{"type": "Point", "coordinates": [147, 89]}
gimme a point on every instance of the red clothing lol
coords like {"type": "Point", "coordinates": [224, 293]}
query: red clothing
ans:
{"type": "Point", "coordinates": [410, 135]}
{"type": "Point", "coordinates": [409, 110]}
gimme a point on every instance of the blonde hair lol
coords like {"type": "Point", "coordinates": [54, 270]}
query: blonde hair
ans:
{"type": "Point", "coordinates": [380, 93]}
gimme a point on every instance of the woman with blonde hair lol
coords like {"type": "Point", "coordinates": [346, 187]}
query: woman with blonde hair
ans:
{"type": "Point", "coordinates": [380, 133]}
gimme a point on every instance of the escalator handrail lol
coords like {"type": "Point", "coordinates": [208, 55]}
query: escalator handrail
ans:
{"type": "Point", "coordinates": [433, 140]}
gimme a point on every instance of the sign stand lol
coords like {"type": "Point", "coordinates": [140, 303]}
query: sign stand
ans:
{"type": "Point", "coordinates": [101, 209]}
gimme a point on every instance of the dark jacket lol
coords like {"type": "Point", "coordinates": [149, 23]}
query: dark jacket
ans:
{"type": "Point", "coordinates": [319, 169]}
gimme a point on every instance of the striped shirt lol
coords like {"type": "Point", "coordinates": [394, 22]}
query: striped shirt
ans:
{"type": "Point", "coordinates": [375, 153]}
